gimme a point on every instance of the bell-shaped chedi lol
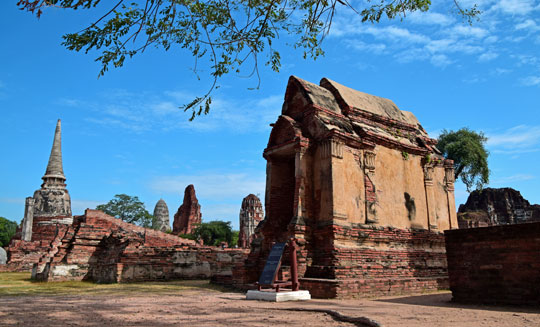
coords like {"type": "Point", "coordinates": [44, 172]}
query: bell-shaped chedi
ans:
{"type": "Point", "coordinates": [51, 203]}
{"type": "Point", "coordinates": [496, 206]}
{"type": "Point", "coordinates": [189, 213]}
{"type": "Point", "coordinates": [251, 214]}
{"type": "Point", "coordinates": [53, 198]}
{"type": "Point", "coordinates": [161, 216]}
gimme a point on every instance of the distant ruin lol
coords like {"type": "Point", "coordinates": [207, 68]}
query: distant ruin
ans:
{"type": "Point", "coordinates": [188, 214]}
{"type": "Point", "coordinates": [496, 206]}
{"type": "Point", "coordinates": [161, 216]}
{"type": "Point", "coordinates": [364, 189]}
{"type": "Point", "coordinates": [251, 214]}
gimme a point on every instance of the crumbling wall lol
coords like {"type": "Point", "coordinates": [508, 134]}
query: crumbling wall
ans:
{"type": "Point", "coordinates": [22, 255]}
{"type": "Point", "coordinates": [106, 250]}
{"type": "Point", "coordinates": [498, 264]}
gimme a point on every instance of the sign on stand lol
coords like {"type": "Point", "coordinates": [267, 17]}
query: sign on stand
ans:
{"type": "Point", "coordinates": [272, 264]}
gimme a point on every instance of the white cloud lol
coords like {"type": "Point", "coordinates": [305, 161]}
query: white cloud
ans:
{"type": "Point", "coordinates": [516, 138]}
{"type": "Point", "coordinates": [452, 46]}
{"type": "Point", "coordinates": [148, 111]}
{"type": "Point", "coordinates": [164, 108]}
{"type": "Point", "coordinates": [491, 39]}
{"type": "Point", "coordinates": [212, 186]}
{"type": "Point", "coordinates": [511, 179]}
{"type": "Point", "coordinates": [515, 7]}
{"type": "Point", "coordinates": [488, 56]}
{"type": "Point", "coordinates": [469, 31]}
{"type": "Point", "coordinates": [440, 60]}
{"type": "Point", "coordinates": [528, 60]}
{"type": "Point", "coordinates": [474, 79]}
{"type": "Point", "coordinates": [429, 18]}
{"type": "Point", "coordinates": [528, 24]}
{"type": "Point", "coordinates": [531, 81]}
{"type": "Point", "coordinates": [387, 33]}
{"type": "Point", "coordinates": [376, 48]}
{"type": "Point", "coordinates": [500, 71]}
{"type": "Point", "coordinates": [401, 34]}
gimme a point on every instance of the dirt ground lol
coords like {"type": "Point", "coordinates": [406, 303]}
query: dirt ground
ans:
{"type": "Point", "coordinates": [203, 306]}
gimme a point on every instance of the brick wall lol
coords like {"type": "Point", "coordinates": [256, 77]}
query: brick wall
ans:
{"type": "Point", "coordinates": [365, 261]}
{"type": "Point", "coordinates": [499, 264]}
{"type": "Point", "coordinates": [104, 249]}
{"type": "Point", "coordinates": [383, 261]}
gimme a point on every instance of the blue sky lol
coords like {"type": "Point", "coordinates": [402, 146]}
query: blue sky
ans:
{"type": "Point", "coordinates": [123, 133]}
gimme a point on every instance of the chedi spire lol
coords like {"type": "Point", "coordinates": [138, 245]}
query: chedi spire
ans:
{"type": "Point", "coordinates": [54, 175]}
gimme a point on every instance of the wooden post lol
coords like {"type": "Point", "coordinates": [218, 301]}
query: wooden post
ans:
{"type": "Point", "coordinates": [294, 264]}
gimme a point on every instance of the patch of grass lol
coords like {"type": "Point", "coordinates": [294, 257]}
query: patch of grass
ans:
{"type": "Point", "coordinates": [20, 284]}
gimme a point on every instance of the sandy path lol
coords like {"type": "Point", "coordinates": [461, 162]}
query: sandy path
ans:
{"type": "Point", "coordinates": [211, 308]}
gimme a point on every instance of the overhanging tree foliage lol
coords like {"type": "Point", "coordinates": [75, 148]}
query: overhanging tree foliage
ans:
{"type": "Point", "coordinates": [467, 149]}
{"type": "Point", "coordinates": [224, 34]}
{"type": "Point", "coordinates": [7, 231]}
{"type": "Point", "coordinates": [128, 208]}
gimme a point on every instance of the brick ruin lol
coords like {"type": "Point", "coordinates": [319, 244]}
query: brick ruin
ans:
{"type": "Point", "coordinates": [356, 180]}
{"type": "Point", "coordinates": [251, 214]}
{"type": "Point", "coordinates": [495, 265]}
{"type": "Point", "coordinates": [496, 206]}
{"type": "Point", "coordinates": [56, 246]}
{"type": "Point", "coordinates": [188, 214]}
{"type": "Point", "coordinates": [104, 249]}
{"type": "Point", "coordinates": [362, 187]}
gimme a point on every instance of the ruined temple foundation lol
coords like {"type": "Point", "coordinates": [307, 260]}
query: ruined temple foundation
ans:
{"type": "Point", "coordinates": [362, 187]}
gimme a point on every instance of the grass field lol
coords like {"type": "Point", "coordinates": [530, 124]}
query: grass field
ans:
{"type": "Point", "coordinates": [19, 284]}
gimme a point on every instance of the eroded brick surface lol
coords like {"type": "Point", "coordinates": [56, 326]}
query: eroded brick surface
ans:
{"type": "Point", "coordinates": [498, 264]}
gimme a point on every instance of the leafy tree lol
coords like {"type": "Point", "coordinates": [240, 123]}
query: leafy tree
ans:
{"type": "Point", "coordinates": [214, 232]}
{"type": "Point", "coordinates": [235, 235]}
{"type": "Point", "coordinates": [225, 35]}
{"type": "Point", "coordinates": [128, 208]}
{"type": "Point", "coordinates": [7, 231]}
{"type": "Point", "coordinates": [467, 149]}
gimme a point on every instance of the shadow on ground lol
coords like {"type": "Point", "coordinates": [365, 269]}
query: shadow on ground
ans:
{"type": "Point", "coordinates": [445, 300]}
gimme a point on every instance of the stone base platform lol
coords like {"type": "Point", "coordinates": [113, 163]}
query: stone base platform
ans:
{"type": "Point", "coordinates": [278, 296]}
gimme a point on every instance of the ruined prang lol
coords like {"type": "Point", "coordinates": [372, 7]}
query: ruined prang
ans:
{"type": "Point", "coordinates": [496, 206]}
{"type": "Point", "coordinates": [161, 216]}
{"type": "Point", "coordinates": [52, 201]}
{"type": "Point", "coordinates": [251, 214]}
{"type": "Point", "coordinates": [188, 214]}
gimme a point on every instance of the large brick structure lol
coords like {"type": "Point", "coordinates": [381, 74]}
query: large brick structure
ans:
{"type": "Point", "coordinates": [364, 189]}
{"type": "Point", "coordinates": [497, 265]}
